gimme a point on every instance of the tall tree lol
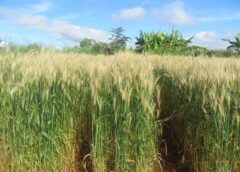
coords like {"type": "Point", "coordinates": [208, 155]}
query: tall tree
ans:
{"type": "Point", "coordinates": [118, 39]}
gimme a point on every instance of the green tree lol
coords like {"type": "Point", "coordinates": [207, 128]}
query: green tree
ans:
{"type": "Point", "coordinates": [101, 48]}
{"type": "Point", "coordinates": [87, 44]}
{"type": "Point", "coordinates": [118, 39]}
{"type": "Point", "coordinates": [234, 45]}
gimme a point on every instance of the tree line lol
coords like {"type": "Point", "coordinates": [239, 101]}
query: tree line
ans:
{"type": "Point", "coordinates": [154, 43]}
{"type": "Point", "coordinates": [118, 42]}
{"type": "Point", "coordinates": [173, 43]}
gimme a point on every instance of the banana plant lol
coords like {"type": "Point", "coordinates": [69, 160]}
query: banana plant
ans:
{"type": "Point", "coordinates": [161, 42]}
{"type": "Point", "coordinates": [143, 42]}
{"type": "Point", "coordinates": [234, 45]}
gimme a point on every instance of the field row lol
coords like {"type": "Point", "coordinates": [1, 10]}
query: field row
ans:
{"type": "Point", "coordinates": [118, 113]}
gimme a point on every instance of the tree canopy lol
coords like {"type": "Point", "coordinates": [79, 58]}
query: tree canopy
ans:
{"type": "Point", "coordinates": [118, 39]}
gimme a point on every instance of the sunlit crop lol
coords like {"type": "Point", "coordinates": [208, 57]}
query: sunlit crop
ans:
{"type": "Point", "coordinates": [76, 112]}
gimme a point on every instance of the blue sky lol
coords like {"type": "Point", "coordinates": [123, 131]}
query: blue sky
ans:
{"type": "Point", "coordinates": [66, 22]}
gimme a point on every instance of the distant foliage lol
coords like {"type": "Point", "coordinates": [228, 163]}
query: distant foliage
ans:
{"type": "Point", "coordinates": [201, 51]}
{"type": "Point", "coordinates": [15, 48]}
{"type": "Point", "coordinates": [102, 48]}
{"type": "Point", "coordinates": [176, 44]}
{"type": "Point", "coordinates": [118, 39]}
{"type": "Point", "coordinates": [87, 44]}
{"type": "Point", "coordinates": [90, 46]}
{"type": "Point", "coordinates": [162, 42]}
{"type": "Point", "coordinates": [234, 45]}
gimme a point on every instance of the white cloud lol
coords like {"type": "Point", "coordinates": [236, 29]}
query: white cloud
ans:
{"type": "Point", "coordinates": [67, 17]}
{"type": "Point", "coordinates": [131, 43]}
{"type": "Point", "coordinates": [25, 20]}
{"type": "Point", "coordinates": [32, 22]}
{"type": "Point", "coordinates": [38, 8]}
{"type": "Point", "coordinates": [62, 30]}
{"type": "Point", "coordinates": [131, 14]}
{"type": "Point", "coordinates": [66, 31]}
{"type": "Point", "coordinates": [173, 14]}
{"type": "Point", "coordinates": [2, 44]}
{"type": "Point", "coordinates": [226, 17]}
{"type": "Point", "coordinates": [213, 40]}
{"type": "Point", "coordinates": [7, 12]}
{"type": "Point", "coordinates": [206, 37]}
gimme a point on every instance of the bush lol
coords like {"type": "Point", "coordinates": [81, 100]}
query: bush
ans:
{"type": "Point", "coordinates": [14, 48]}
{"type": "Point", "coordinates": [101, 48]}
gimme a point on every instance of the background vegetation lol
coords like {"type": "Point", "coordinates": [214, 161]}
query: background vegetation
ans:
{"type": "Point", "coordinates": [161, 43]}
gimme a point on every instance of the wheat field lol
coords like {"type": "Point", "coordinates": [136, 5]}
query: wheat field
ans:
{"type": "Point", "coordinates": [77, 112]}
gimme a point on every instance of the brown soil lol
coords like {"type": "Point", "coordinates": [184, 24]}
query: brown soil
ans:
{"type": "Point", "coordinates": [83, 158]}
{"type": "Point", "coordinates": [169, 147]}
{"type": "Point", "coordinates": [171, 151]}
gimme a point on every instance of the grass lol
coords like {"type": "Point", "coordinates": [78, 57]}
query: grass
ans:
{"type": "Point", "coordinates": [78, 112]}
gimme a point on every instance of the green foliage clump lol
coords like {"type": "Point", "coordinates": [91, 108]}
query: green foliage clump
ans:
{"type": "Point", "coordinates": [90, 46]}
{"type": "Point", "coordinates": [87, 44]}
{"type": "Point", "coordinates": [162, 43]}
{"type": "Point", "coordinates": [234, 45]}
{"type": "Point", "coordinates": [176, 44]}
{"type": "Point", "coordinates": [201, 51]}
{"type": "Point", "coordinates": [14, 48]}
{"type": "Point", "coordinates": [101, 48]}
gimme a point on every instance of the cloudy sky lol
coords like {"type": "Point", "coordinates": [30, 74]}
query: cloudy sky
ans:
{"type": "Point", "coordinates": [66, 22]}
